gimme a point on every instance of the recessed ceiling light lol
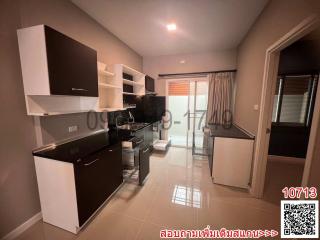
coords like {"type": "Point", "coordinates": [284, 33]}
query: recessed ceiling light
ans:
{"type": "Point", "coordinates": [171, 27]}
{"type": "Point", "coordinates": [182, 61]}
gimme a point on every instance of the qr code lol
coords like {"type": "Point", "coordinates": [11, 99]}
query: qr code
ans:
{"type": "Point", "coordinates": [299, 219]}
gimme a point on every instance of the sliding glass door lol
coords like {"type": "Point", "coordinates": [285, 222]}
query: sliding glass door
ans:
{"type": "Point", "coordinates": [187, 103]}
{"type": "Point", "coordinates": [198, 109]}
{"type": "Point", "coordinates": [178, 106]}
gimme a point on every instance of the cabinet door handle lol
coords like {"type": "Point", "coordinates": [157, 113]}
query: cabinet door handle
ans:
{"type": "Point", "coordinates": [79, 89]}
{"type": "Point", "coordinates": [114, 149]}
{"type": "Point", "coordinates": [144, 151]}
{"type": "Point", "coordinates": [87, 164]}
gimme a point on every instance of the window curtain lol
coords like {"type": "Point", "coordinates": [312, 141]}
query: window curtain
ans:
{"type": "Point", "coordinates": [220, 98]}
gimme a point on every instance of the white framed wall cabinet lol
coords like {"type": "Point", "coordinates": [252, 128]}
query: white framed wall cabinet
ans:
{"type": "Point", "coordinates": [57, 69]}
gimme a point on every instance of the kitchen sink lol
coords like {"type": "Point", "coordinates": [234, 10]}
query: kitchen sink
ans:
{"type": "Point", "coordinates": [132, 126]}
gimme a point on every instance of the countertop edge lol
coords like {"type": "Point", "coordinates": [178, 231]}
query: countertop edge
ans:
{"type": "Point", "coordinates": [244, 134]}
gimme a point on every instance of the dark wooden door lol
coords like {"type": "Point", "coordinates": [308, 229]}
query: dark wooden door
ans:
{"type": "Point", "coordinates": [114, 174]}
{"type": "Point", "coordinates": [97, 177]}
{"type": "Point", "coordinates": [72, 66]}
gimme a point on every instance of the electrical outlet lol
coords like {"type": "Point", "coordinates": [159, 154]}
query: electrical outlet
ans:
{"type": "Point", "coordinates": [73, 128]}
{"type": "Point", "coordinates": [256, 107]}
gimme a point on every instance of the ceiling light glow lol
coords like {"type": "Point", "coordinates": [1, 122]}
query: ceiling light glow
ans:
{"type": "Point", "coordinates": [171, 27]}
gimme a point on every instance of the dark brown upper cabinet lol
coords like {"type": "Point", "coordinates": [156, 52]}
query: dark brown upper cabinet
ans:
{"type": "Point", "coordinates": [55, 64]}
{"type": "Point", "coordinates": [149, 84]}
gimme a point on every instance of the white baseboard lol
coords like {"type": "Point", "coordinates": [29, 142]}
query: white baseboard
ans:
{"type": "Point", "coordinates": [17, 231]}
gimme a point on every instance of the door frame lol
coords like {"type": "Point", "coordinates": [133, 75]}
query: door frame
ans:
{"type": "Point", "coordinates": [266, 105]}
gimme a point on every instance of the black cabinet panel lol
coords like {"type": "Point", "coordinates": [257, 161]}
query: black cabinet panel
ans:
{"type": "Point", "coordinates": [149, 84]}
{"type": "Point", "coordinates": [290, 141]}
{"type": "Point", "coordinates": [97, 177]}
{"type": "Point", "coordinates": [115, 176]}
{"type": "Point", "coordinates": [144, 164]}
{"type": "Point", "coordinates": [127, 76]}
{"type": "Point", "coordinates": [127, 88]}
{"type": "Point", "coordinates": [72, 66]}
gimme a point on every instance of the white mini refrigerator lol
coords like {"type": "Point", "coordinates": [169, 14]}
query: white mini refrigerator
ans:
{"type": "Point", "coordinates": [232, 160]}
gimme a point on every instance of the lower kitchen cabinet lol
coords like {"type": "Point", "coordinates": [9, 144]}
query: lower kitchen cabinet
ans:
{"type": "Point", "coordinates": [230, 153]}
{"type": "Point", "coordinates": [70, 193]}
{"type": "Point", "coordinates": [232, 160]}
{"type": "Point", "coordinates": [144, 163]}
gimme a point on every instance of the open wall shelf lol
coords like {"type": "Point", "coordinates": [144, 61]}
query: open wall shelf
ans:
{"type": "Point", "coordinates": [137, 82]}
{"type": "Point", "coordinates": [107, 85]}
{"type": "Point", "coordinates": [110, 97]}
{"type": "Point", "coordinates": [132, 83]}
{"type": "Point", "coordinates": [106, 73]}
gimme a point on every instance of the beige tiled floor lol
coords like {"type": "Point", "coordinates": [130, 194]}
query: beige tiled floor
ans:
{"type": "Point", "coordinates": [178, 194]}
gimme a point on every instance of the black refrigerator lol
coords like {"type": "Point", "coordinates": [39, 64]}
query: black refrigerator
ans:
{"type": "Point", "coordinates": [150, 108]}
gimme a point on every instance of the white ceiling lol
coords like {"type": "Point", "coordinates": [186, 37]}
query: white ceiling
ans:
{"type": "Point", "coordinates": [202, 25]}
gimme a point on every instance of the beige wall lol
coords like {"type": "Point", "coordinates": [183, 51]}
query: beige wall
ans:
{"type": "Point", "coordinates": [18, 188]}
{"type": "Point", "coordinates": [277, 19]}
{"type": "Point", "coordinates": [67, 18]}
{"type": "Point", "coordinates": [199, 62]}
{"type": "Point", "coordinates": [55, 128]}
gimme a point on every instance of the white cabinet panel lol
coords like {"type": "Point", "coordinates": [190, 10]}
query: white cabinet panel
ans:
{"type": "Point", "coordinates": [33, 57]}
{"type": "Point", "coordinates": [57, 193]}
{"type": "Point", "coordinates": [232, 158]}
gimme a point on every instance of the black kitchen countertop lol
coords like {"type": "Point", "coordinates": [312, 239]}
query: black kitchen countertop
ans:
{"type": "Point", "coordinates": [228, 132]}
{"type": "Point", "coordinates": [80, 148]}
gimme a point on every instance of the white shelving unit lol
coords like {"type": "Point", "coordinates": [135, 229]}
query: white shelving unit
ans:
{"type": "Point", "coordinates": [138, 81]}
{"type": "Point", "coordinates": [106, 85]}
{"type": "Point", "coordinates": [105, 73]}
{"type": "Point", "coordinates": [42, 105]}
{"type": "Point", "coordinates": [132, 83]}
{"type": "Point", "coordinates": [110, 90]}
